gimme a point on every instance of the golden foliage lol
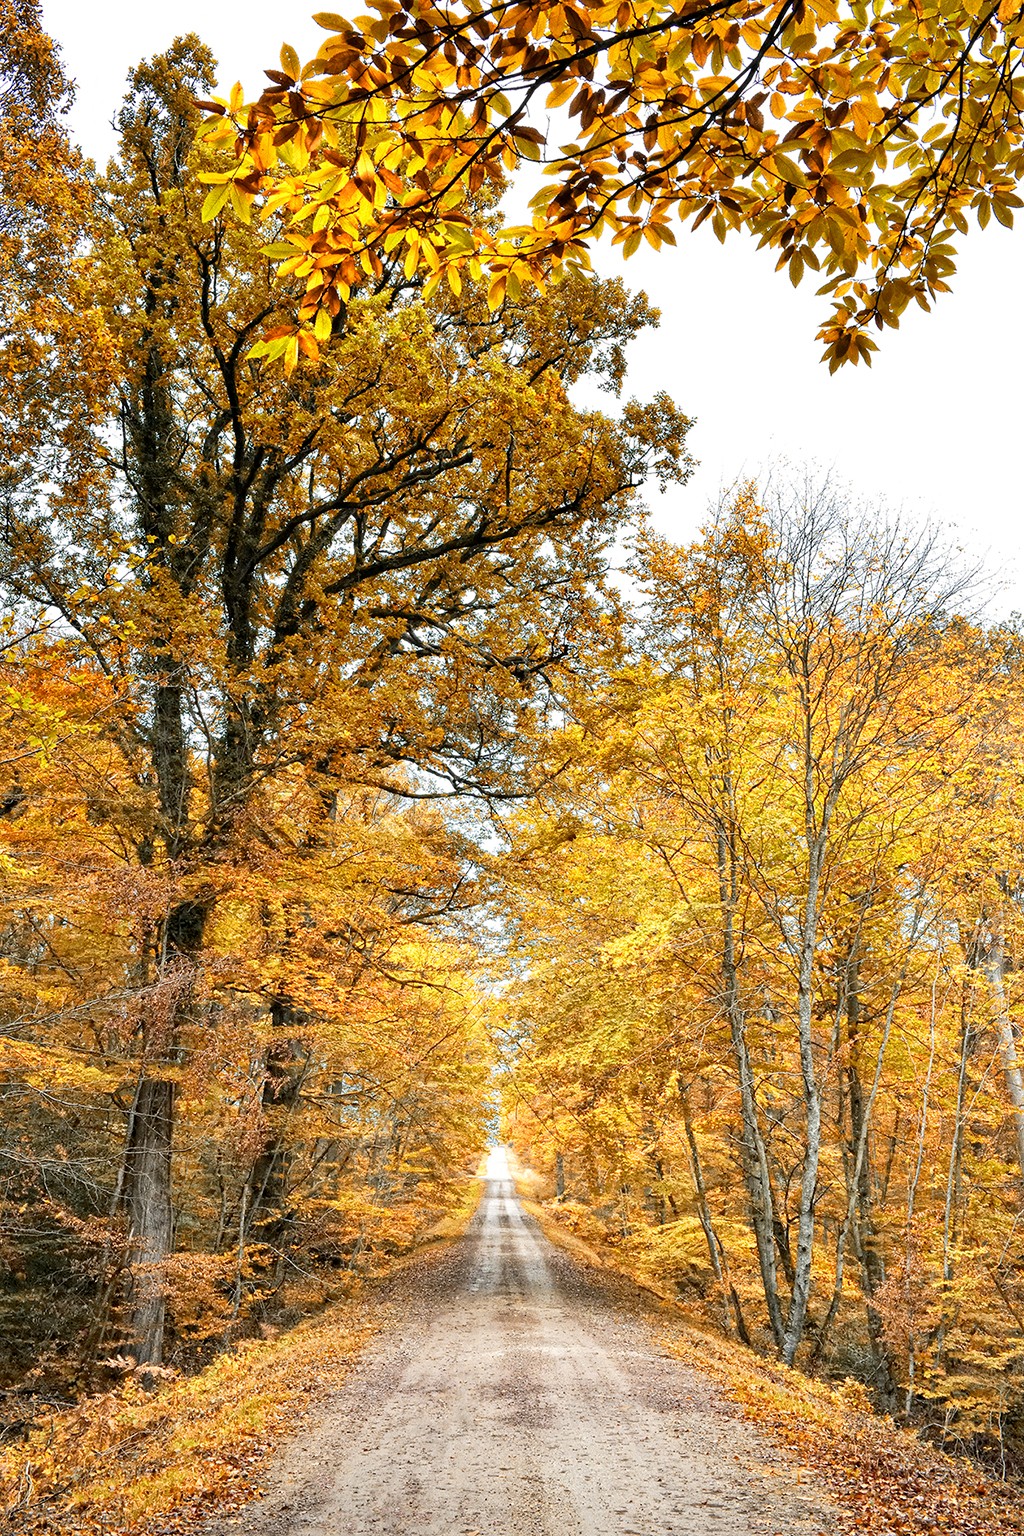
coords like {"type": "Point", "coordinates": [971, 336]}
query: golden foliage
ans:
{"type": "Point", "coordinates": [856, 143]}
{"type": "Point", "coordinates": [763, 1033]}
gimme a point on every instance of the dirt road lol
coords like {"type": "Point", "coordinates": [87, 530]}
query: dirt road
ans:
{"type": "Point", "coordinates": [519, 1399]}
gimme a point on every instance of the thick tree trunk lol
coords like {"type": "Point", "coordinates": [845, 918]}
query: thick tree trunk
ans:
{"type": "Point", "coordinates": [150, 1213]}
{"type": "Point", "coordinates": [285, 1067]}
{"type": "Point", "coordinates": [148, 414]}
{"type": "Point", "coordinates": [147, 1184]}
{"type": "Point", "coordinates": [170, 759]}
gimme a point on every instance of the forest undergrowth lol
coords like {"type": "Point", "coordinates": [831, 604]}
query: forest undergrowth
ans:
{"type": "Point", "coordinates": [149, 1461]}
{"type": "Point", "coordinates": [139, 1461]}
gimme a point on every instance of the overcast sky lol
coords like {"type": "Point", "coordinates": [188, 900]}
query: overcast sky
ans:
{"type": "Point", "coordinates": [934, 427]}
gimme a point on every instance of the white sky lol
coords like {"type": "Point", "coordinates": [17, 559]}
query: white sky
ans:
{"type": "Point", "coordinates": [934, 427]}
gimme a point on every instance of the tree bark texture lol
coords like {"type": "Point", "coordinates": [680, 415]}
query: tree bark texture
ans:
{"type": "Point", "coordinates": [150, 1213]}
{"type": "Point", "coordinates": [754, 1154]}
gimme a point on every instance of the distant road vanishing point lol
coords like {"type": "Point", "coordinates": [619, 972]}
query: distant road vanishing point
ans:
{"type": "Point", "coordinates": [522, 1397]}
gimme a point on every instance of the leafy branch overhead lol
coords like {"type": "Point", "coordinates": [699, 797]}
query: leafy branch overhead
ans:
{"type": "Point", "coordinates": [857, 141]}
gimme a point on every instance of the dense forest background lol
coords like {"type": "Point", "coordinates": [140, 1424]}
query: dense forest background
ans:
{"type": "Point", "coordinates": [372, 780]}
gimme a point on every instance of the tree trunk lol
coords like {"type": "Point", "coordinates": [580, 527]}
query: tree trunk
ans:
{"type": "Point", "coordinates": [954, 1178]}
{"type": "Point", "coordinates": [149, 416]}
{"type": "Point", "coordinates": [150, 1214]}
{"type": "Point", "coordinates": [912, 1188]}
{"type": "Point", "coordinates": [285, 1070]}
{"type": "Point", "coordinates": [994, 968]}
{"type": "Point", "coordinates": [170, 759]}
{"type": "Point", "coordinates": [150, 1137]}
{"type": "Point", "coordinates": [867, 1248]}
{"type": "Point", "coordinates": [858, 1217]}
{"type": "Point", "coordinates": [716, 1252]}
{"type": "Point", "coordinates": [753, 1152]}
{"type": "Point", "coordinates": [797, 1315]}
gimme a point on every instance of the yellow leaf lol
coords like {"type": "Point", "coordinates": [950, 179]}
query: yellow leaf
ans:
{"type": "Point", "coordinates": [788, 170]}
{"type": "Point", "coordinates": [559, 94]}
{"type": "Point", "coordinates": [241, 203]}
{"type": "Point", "coordinates": [214, 202]}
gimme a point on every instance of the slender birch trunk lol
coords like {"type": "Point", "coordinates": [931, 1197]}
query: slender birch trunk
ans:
{"type": "Point", "coordinates": [800, 1296]}
{"type": "Point", "coordinates": [716, 1251]}
{"type": "Point", "coordinates": [858, 1194]}
{"type": "Point", "coordinates": [912, 1191]}
{"type": "Point", "coordinates": [994, 969]}
{"type": "Point", "coordinates": [756, 1173]}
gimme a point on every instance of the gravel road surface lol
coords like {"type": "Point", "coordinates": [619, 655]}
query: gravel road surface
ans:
{"type": "Point", "coordinates": [522, 1397]}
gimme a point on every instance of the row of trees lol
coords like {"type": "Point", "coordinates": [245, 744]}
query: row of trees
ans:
{"type": "Point", "coordinates": [765, 1033]}
{"type": "Point", "coordinates": [257, 632]}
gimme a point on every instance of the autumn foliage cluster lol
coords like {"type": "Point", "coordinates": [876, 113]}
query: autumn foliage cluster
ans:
{"type": "Point", "coordinates": [342, 793]}
{"type": "Point", "coordinates": [856, 141]}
